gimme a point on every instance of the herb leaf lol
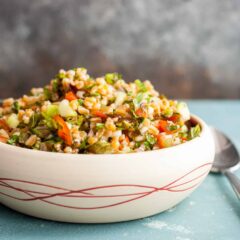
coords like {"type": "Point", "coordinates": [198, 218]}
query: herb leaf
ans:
{"type": "Point", "coordinates": [13, 140]}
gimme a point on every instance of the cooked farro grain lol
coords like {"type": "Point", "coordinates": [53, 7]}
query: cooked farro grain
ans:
{"type": "Point", "coordinates": [76, 113]}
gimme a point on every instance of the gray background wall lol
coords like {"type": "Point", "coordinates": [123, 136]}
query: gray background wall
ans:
{"type": "Point", "coordinates": [189, 49]}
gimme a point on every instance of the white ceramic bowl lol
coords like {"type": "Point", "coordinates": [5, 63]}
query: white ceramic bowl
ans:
{"type": "Point", "coordinates": [103, 188]}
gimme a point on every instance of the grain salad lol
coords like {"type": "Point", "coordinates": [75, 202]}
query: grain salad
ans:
{"type": "Point", "coordinates": [77, 113]}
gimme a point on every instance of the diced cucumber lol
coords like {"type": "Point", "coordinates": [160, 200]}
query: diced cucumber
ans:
{"type": "Point", "coordinates": [13, 121]}
{"type": "Point", "coordinates": [65, 109]}
{"type": "Point", "coordinates": [183, 110]}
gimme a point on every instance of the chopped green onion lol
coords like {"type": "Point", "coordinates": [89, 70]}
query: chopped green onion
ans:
{"type": "Point", "coordinates": [61, 75]}
{"type": "Point", "coordinates": [55, 85]}
{"type": "Point", "coordinates": [42, 131]}
{"type": "Point", "coordinates": [141, 86]}
{"type": "Point", "coordinates": [111, 78]}
{"type": "Point", "coordinates": [167, 112]}
{"type": "Point", "coordinates": [51, 111]}
{"type": "Point", "coordinates": [77, 120]}
{"type": "Point", "coordinates": [83, 145]}
{"type": "Point", "coordinates": [89, 87]}
{"type": "Point", "coordinates": [34, 120]}
{"type": "Point", "coordinates": [194, 131]}
{"type": "Point", "coordinates": [147, 145]}
{"type": "Point", "coordinates": [95, 94]}
{"type": "Point", "coordinates": [148, 98]}
{"type": "Point", "coordinates": [101, 147]}
{"type": "Point", "coordinates": [134, 114]}
{"type": "Point", "coordinates": [173, 127]}
{"type": "Point", "coordinates": [137, 100]}
{"type": "Point", "coordinates": [120, 126]}
{"type": "Point", "coordinates": [47, 93]}
{"type": "Point", "coordinates": [16, 107]}
{"type": "Point", "coordinates": [137, 144]}
{"type": "Point", "coordinates": [80, 101]}
{"type": "Point", "coordinates": [100, 126]}
{"type": "Point", "coordinates": [152, 140]}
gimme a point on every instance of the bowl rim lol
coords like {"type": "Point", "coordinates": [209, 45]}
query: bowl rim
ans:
{"type": "Point", "coordinates": [17, 149]}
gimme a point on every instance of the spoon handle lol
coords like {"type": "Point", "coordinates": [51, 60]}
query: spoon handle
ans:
{"type": "Point", "coordinates": [234, 181]}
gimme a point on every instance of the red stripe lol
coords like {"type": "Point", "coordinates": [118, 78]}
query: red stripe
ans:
{"type": "Point", "coordinates": [86, 193]}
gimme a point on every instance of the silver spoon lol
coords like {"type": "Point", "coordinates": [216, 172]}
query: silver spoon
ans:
{"type": "Point", "coordinates": [227, 159]}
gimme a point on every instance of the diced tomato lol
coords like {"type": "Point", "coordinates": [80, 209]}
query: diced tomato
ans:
{"type": "Point", "coordinates": [3, 139]}
{"type": "Point", "coordinates": [160, 141]}
{"type": "Point", "coordinates": [4, 125]}
{"type": "Point", "coordinates": [184, 138]}
{"type": "Point", "coordinates": [34, 108]}
{"type": "Point", "coordinates": [64, 133]}
{"type": "Point", "coordinates": [163, 126]}
{"type": "Point", "coordinates": [127, 140]}
{"type": "Point", "coordinates": [100, 114]}
{"type": "Point", "coordinates": [175, 118]}
{"type": "Point", "coordinates": [70, 96]}
{"type": "Point", "coordinates": [139, 112]}
{"type": "Point", "coordinates": [164, 141]}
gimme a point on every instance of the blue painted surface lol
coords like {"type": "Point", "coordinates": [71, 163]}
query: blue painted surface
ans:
{"type": "Point", "coordinates": [211, 212]}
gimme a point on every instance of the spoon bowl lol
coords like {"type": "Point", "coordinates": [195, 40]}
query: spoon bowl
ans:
{"type": "Point", "coordinates": [226, 154]}
{"type": "Point", "coordinates": [226, 159]}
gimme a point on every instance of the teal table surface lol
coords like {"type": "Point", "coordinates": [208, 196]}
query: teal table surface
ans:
{"type": "Point", "coordinates": [211, 212]}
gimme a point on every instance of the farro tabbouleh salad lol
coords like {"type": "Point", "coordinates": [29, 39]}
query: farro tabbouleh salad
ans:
{"type": "Point", "coordinates": [76, 113]}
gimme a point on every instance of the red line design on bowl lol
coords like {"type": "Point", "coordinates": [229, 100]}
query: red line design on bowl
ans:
{"type": "Point", "coordinates": [181, 184]}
